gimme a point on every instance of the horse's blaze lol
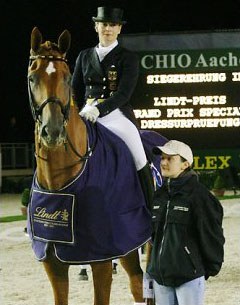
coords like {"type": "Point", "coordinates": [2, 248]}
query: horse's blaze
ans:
{"type": "Point", "coordinates": [50, 68]}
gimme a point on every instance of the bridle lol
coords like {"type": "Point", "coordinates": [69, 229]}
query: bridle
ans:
{"type": "Point", "coordinates": [37, 110]}
{"type": "Point", "coordinates": [65, 110]}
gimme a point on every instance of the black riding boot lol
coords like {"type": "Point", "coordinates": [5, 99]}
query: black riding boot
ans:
{"type": "Point", "coordinates": [146, 180]}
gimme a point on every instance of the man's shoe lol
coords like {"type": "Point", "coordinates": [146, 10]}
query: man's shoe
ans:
{"type": "Point", "coordinates": [83, 275]}
{"type": "Point", "coordinates": [114, 270]}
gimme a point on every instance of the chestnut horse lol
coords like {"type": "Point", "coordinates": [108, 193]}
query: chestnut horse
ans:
{"type": "Point", "coordinates": [65, 150]}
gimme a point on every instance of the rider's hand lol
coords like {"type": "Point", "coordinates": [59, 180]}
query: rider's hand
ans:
{"type": "Point", "coordinates": [90, 113]}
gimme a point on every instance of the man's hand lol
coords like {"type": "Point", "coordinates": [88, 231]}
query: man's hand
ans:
{"type": "Point", "coordinates": [90, 113]}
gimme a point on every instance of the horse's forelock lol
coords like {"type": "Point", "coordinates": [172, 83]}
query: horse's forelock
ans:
{"type": "Point", "coordinates": [48, 45]}
{"type": "Point", "coordinates": [46, 48]}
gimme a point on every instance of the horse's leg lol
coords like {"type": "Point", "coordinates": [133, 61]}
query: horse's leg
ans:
{"type": "Point", "coordinates": [131, 264]}
{"type": "Point", "coordinates": [102, 280]}
{"type": "Point", "coordinates": [58, 275]}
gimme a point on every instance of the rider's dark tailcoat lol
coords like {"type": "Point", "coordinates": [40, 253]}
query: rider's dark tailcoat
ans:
{"type": "Point", "coordinates": [114, 79]}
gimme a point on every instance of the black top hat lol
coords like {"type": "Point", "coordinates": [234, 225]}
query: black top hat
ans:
{"type": "Point", "coordinates": [107, 14]}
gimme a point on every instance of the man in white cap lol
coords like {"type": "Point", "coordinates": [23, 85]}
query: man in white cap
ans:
{"type": "Point", "coordinates": [174, 151]}
{"type": "Point", "coordinates": [188, 236]}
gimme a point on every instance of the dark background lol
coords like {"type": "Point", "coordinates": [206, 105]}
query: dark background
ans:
{"type": "Point", "coordinates": [18, 17]}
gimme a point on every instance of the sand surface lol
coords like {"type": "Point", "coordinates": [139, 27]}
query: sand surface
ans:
{"type": "Point", "coordinates": [23, 280]}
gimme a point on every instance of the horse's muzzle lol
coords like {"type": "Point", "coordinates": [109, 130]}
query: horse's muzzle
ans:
{"type": "Point", "coordinates": [53, 136]}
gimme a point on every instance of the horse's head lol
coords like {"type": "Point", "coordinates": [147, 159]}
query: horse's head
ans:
{"type": "Point", "coordinates": [49, 82]}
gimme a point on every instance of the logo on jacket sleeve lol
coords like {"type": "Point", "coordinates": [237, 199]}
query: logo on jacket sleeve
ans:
{"type": "Point", "coordinates": [180, 208]}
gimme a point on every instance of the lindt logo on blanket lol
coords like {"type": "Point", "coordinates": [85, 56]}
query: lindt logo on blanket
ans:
{"type": "Point", "coordinates": [42, 213]}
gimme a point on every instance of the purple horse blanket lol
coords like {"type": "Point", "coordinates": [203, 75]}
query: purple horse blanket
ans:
{"type": "Point", "coordinates": [102, 213]}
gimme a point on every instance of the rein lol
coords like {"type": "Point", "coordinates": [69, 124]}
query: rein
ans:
{"type": "Point", "coordinates": [89, 151]}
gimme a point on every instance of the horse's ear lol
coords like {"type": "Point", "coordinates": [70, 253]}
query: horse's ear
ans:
{"type": "Point", "coordinates": [36, 39]}
{"type": "Point", "coordinates": [64, 41]}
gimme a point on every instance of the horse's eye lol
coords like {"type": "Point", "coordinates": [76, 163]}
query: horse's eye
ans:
{"type": "Point", "coordinates": [31, 78]}
{"type": "Point", "coordinates": [68, 79]}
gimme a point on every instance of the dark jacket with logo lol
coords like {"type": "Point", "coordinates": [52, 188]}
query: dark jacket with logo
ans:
{"type": "Point", "coordinates": [188, 236]}
{"type": "Point", "coordinates": [95, 76]}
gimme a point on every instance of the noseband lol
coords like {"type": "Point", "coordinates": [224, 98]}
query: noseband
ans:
{"type": "Point", "coordinates": [37, 110]}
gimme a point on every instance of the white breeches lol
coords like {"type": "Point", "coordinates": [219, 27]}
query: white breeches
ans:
{"type": "Point", "coordinates": [127, 131]}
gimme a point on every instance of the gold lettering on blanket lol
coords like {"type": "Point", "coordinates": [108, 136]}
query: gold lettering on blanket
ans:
{"type": "Point", "coordinates": [41, 212]}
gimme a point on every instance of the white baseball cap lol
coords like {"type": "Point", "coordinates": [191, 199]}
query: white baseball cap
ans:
{"type": "Point", "coordinates": [175, 147]}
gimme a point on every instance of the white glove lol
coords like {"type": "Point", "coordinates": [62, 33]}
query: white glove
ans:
{"type": "Point", "coordinates": [91, 113]}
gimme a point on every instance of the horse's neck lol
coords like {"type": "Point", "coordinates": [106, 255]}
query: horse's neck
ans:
{"type": "Point", "coordinates": [56, 167]}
